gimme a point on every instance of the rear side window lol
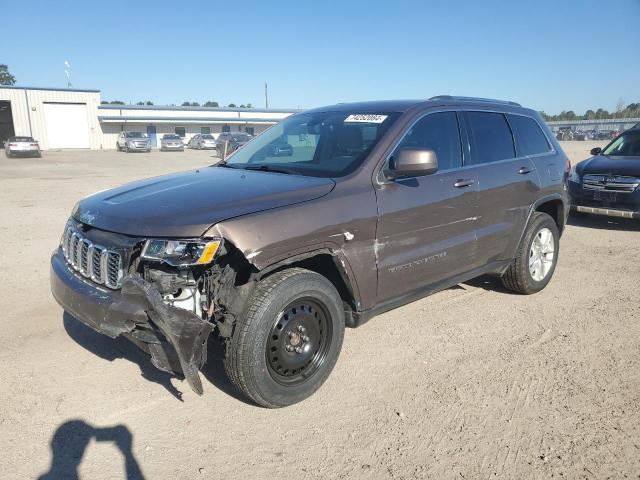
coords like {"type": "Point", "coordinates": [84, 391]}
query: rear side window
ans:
{"type": "Point", "coordinates": [491, 137]}
{"type": "Point", "coordinates": [529, 137]}
{"type": "Point", "coordinates": [438, 132]}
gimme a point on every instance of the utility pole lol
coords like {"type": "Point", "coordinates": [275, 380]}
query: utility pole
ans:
{"type": "Point", "coordinates": [266, 95]}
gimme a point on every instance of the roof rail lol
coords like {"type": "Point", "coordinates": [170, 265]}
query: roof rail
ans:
{"type": "Point", "coordinates": [474, 99]}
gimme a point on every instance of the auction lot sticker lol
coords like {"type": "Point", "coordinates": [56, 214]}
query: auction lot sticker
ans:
{"type": "Point", "coordinates": [365, 118]}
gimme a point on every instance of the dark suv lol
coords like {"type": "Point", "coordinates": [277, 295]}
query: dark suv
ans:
{"type": "Point", "coordinates": [371, 205]}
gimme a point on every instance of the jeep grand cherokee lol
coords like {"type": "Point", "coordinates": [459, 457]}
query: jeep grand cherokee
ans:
{"type": "Point", "coordinates": [328, 218]}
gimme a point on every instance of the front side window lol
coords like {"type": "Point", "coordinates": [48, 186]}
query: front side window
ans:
{"type": "Point", "coordinates": [321, 144]}
{"type": "Point", "coordinates": [529, 137]}
{"type": "Point", "coordinates": [180, 131]}
{"type": "Point", "coordinates": [626, 145]}
{"type": "Point", "coordinates": [438, 132]}
{"type": "Point", "coordinates": [491, 138]}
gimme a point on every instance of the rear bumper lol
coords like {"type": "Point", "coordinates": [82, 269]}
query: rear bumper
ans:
{"type": "Point", "coordinates": [24, 153]}
{"type": "Point", "coordinates": [176, 339]}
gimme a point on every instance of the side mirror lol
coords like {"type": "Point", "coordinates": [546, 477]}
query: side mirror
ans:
{"type": "Point", "coordinates": [596, 151]}
{"type": "Point", "coordinates": [413, 162]}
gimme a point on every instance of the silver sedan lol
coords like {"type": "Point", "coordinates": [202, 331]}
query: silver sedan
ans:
{"type": "Point", "coordinates": [202, 141]}
{"type": "Point", "coordinates": [171, 141]}
{"type": "Point", "coordinates": [23, 146]}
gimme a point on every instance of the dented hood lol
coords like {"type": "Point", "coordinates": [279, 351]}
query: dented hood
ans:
{"type": "Point", "coordinates": [186, 204]}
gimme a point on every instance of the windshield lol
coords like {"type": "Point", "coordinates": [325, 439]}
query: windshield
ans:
{"type": "Point", "coordinates": [21, 139]}
{"type": "Point", "coordinates": [207, 137]}
{"type": "Point", "coordinates": [319, 144]}
{"type": "Point", "coordinates": [171, 137]}
{"type": "Point", "coordinates": [626, 145]}
{"type": "Point", "coordinates": [240, 138]}
{"type": "Point", "coordinates": [135, 135]}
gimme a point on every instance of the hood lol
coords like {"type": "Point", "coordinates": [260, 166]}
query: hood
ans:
{"type": "Point", "coordinates": [629, 166]}
{"type": "Point", "coordinates": [186, 204]}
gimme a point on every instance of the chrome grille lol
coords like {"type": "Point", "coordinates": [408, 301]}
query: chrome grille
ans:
{"type": "Point", "coordinates": [610, 183]}
{"type": "Point", "coordinates": [96, 262]}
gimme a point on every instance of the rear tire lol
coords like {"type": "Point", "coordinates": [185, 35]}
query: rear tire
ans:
{"type": "Point", "coordinates": [288, 340]}
{"type": "Point", "coordinates": [536, 258]}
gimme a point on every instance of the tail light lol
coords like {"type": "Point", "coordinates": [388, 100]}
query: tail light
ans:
{"type": "Point", "coordinates": [34, 144]}
{"type": "Point", "coordinates": [13, 144]}
{"type": "Point", "coordinates": [568, 166]}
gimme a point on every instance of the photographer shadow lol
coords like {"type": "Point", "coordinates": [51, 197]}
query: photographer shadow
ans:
{"type": "Point", "coordinates": [70, 441]}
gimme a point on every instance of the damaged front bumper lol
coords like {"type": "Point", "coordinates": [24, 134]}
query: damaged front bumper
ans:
{"type": "Point", "coordinates": [175, 338]}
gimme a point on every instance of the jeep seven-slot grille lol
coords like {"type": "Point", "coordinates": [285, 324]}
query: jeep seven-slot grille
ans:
{"type": "Point", "coordinates": [96, 262]}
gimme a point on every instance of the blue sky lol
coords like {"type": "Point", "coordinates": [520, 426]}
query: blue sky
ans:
{"type": "Point", "coordinates": [549, 55]}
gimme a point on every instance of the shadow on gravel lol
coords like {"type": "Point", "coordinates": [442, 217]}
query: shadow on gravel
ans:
{"type": "Point", "coordinates": [111, 349]}
{"type": "Point", "coordinates": [604, 223]}
{"type": "Point", "coordinates": [214, 371]}
{"type": "Point", "coordinates": [70, 441]}
{"type": "Point", "coordinates": [488, 282]}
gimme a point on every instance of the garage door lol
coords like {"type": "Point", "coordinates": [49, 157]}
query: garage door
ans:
{"type": "Point", "coordinates": [67, 125]}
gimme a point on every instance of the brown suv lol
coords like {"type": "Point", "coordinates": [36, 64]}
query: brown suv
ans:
{"type": "Point", "coordinates": [325, 220]}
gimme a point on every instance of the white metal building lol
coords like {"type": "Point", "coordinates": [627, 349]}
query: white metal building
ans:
{"type": "Point", "coordinates": [71, 118]}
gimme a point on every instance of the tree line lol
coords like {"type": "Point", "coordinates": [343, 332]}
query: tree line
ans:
{"type": "Point", "coordinates": [631, 110]}
{"type": "Point", "coordinates": [209, 103]}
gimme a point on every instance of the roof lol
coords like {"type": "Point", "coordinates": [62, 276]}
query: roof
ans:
{"type": "Point", "coordinates": [195, 109]}
{"type": "Point", "coordinates": [54, 89]}
{"type": "Point", "coordinates": [158, 119]}
{"type": "Point", "coordinates": [404, 105]}
{"type": "Point", "coordinates": [372, 106]}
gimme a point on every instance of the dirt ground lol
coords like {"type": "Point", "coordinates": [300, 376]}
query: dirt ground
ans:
{"type": "Point", "coordinates": [472, 382]}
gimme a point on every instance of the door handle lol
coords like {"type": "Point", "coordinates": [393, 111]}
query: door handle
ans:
{"type": "Point", "coordinates": [463, 183]}
{"type": "Point", "coordinates": [524, 170]}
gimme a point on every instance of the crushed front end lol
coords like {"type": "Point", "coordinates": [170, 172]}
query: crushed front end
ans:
{"type": "Point", "coordinates": [166, 296]}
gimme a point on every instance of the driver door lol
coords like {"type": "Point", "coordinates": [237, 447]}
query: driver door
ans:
{"type": "Point", "coordinates": [426, 224]}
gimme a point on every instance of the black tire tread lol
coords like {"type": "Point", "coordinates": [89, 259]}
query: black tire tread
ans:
{"type": "Point", "coordinates": [235, 361]}
{"type": "Point", "coordinates": [514, 279]}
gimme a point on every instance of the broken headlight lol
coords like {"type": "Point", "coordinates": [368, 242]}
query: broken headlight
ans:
{"type": "Point", "coordinates": [181, 253]}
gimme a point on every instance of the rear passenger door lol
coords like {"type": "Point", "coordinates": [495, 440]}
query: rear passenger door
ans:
{"type": "Point", "coordinates": [507, 185]}
{"type": "Point", "coordinates": [426, 224]}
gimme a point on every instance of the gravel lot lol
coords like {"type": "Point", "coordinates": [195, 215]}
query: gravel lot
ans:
{"type": "Point", "coordinates": [472, 382]}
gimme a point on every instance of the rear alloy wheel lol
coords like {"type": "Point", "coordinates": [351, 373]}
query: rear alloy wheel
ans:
{"type": "Point", "coordinates": [285, 346]}
{"type": "Point", "coordinates": [536, 257]}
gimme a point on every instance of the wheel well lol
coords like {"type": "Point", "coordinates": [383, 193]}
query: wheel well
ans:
{"type": "Point", "coordinates": [555, 209]}
{"type": "Point", "coordinates": [325, 265]}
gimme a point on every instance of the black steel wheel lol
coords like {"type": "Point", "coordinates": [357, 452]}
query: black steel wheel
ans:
{"type": "Point", "coordinates": [298, 342]}
{"type": "Point", "coordinates": [288, 341]}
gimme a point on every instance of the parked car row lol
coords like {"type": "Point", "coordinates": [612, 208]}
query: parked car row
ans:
{"type": "Point", "coordinates": [567, 133]}
{"type": "Point", "coordinates": [226, 143]}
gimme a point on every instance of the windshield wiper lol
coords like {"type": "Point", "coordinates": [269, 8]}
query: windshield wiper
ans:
{"type": "Point", "coordinates": [268, 168]}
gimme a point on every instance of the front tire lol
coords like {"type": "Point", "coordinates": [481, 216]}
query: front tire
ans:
{"type": "Point", "coordinates": [289, 339]}
{"type": "Point", "coordinates": [536, 257]}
